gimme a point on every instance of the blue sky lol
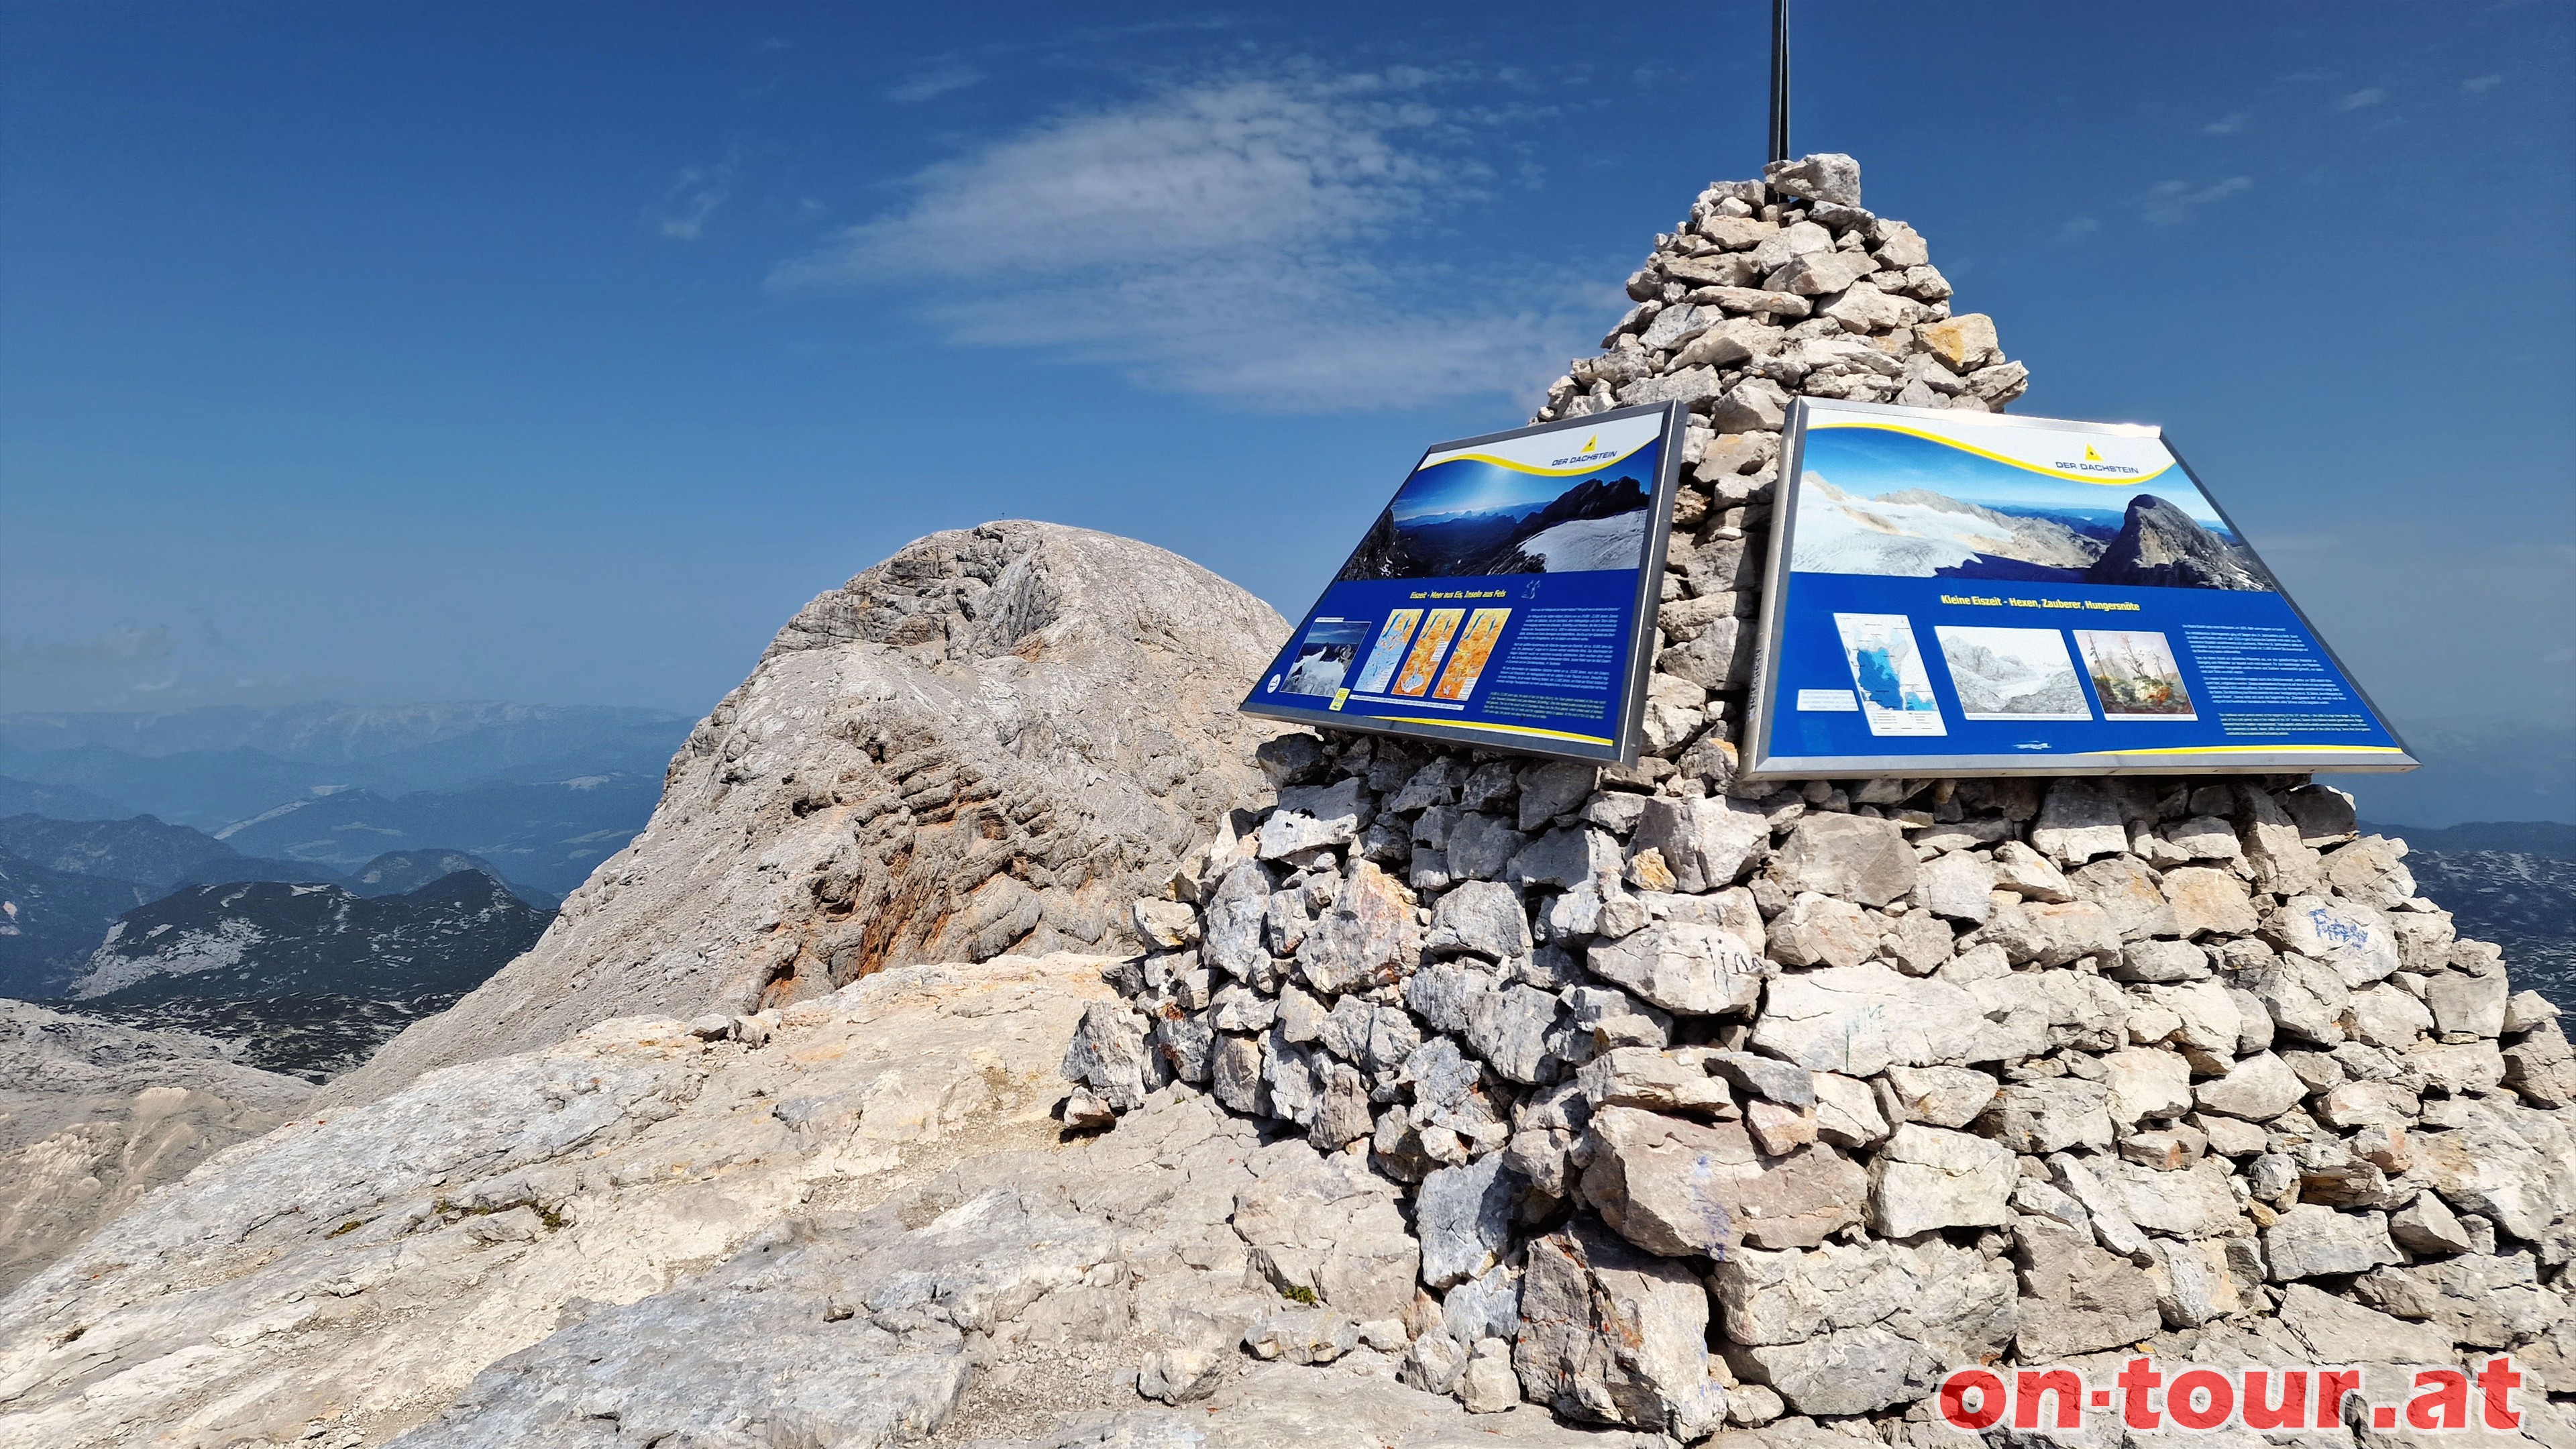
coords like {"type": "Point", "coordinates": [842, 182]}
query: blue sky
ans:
{"type": "Point", "coordinates": [404, 351]}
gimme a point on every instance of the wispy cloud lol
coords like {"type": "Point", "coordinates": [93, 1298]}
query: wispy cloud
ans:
{"type": "Point", "coordinates": [2361, 99]}
{"type": "Point", "coordinates": [938, 81]}
{"type": "Point", "coordinates": [1240, 238]}
{"type": "Point", "coordinates": [2170, 202]}
{"type": "Point", "coordinates": [2078, 227]}
{"type": "Point", "coordinates": [2225, 125]}
{"type": "Point", "coordinates": [2481, 84]}
{"type": "Point", "coordinates": [684, 210]}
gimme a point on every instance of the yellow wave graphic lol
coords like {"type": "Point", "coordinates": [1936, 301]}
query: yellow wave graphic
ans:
{"type": "Point", "coordinates": [2128, 482]}
{"type": "Point", "coordinates": [1544, 472]}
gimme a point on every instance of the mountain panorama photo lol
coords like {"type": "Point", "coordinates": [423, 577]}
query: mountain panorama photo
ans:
{"type": "Point", "coordinates": [1466, 517]}
{"type": "Point", "coordinates": [1966, 517]}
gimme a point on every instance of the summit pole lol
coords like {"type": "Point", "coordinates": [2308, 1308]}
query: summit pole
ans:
{"type": "Point", "coordinates": [1779, 80]}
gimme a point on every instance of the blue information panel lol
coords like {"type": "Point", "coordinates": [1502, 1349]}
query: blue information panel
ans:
{"type": "Point", "coordinates": [1972, 593]}
{"type": "Point", "coordinates": [1504, 597]}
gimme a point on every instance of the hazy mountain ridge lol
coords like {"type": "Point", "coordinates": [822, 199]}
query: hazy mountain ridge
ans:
{"type": "Point", "coordinates": [147, 851]}
{"type": "Point", "coordinates": [213, 768]}
{"type": "Point", "coordinates": [58, 802]}
{"type": "Point", "coordinates": [550, 834]}
{"type": "Point", "coordinates": [328, 731]}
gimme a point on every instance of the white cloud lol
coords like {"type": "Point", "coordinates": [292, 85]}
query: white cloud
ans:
{"type": "Point", "coordinates": [2360, 99]}
{"type": "Point", "coordinates": [685, 209]}
{"type": "Point", "coordinates": [2225, 125]}
{"type": "Point", "coordinates": [1241, 238]}
{"type": "Point", "coordinates": [937, 81]}
{"type": "Point", "coordinates": [2082, 226]}
{"type": "Point", "coordinates": [2480, 85]}
{"type": "Point", "coordinates": [2169, 202]}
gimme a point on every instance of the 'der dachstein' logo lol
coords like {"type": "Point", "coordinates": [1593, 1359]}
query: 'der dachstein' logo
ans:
{"type": "Point", "coordinates": [2092, 462]}
{"type": "Point", "coordinates": [1591, 453]}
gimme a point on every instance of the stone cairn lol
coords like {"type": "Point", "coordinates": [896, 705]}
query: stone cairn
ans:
{"type": "Point", "coordinates": [1719, 1102]}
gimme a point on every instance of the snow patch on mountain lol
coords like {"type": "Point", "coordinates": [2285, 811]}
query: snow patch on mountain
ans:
{"type": "Point", "coordinates": [1839, 533]}
{"type": "Point", "coordinates": [1590, 543]}
{"type": "Point", "coordinates": [227, 943]}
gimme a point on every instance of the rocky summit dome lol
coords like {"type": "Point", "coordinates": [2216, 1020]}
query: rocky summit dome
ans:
{"type": "Point", "coordinates": [992, 741]}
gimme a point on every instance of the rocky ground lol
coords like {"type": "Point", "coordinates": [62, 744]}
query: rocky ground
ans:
{"type": "Point", "coordinates": [852, 1222]}
{"type": "Point", "coordinates": [94, 1115]}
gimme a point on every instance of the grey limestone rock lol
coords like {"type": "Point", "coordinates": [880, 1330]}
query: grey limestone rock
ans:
{"type": "Point", "coordinates": [2309, 1241]}
{"type": "Point", "coordinates": [1109, 1056]}
{"type": "Point", "coordinates": [1861, 1020]}
{"type": "Point", "coordinates": [1610, 1335]}
{"type": "Point", "coordinates": [1850, 856]}
{"type": "Point", "coordinates": [1511, 1030]}
{"type": "Point", "coordinates": [2353, 939]}
{"type": "Point", "coordinates": [1463, 1216]}
{"type": "Point", "coordinates": [1956, 885]}
{"type": "Point", "coordinates": [2079, 820]}
{"type": "Point", "coordinates": [2258, 1089]}
{"type": "Point", "coordinates": [1848, 1329]}
{"type": "Point", "coordinates": [1485, 917]}
{"type": "Point", "coordinates": [1677, 1187]}
{"type": "Point", "coordinates": [2049, 1115]}
{"type": "Point", "coordinates": [1928, 1178]}
{"type": "Point", "coordinates": [2076, 1297]}
{"type": "Point", "coordinates": [1705, 843]}
{"type": "Point", "coordinates": [1313, 815]}
{"type": "Point", "coordinates": [1368, 938]}
{"type": "Point", "coordinates": [1825, 176]}
{"type": "Point", "coordinates": [1819, 930]}
{"type": "Point", "coordinates": [1682, 966]}
{"type": "Point", "coordinates": [93, 1116]}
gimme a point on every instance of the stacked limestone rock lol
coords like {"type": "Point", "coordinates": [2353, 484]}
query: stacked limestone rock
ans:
{"type": "Point", "coordinates": [1719, 1101]}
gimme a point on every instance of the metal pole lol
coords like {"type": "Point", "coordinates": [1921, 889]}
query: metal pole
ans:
{"type": "Point", "coordinates": [1779, 80]}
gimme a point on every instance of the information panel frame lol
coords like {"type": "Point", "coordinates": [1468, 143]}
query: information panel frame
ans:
{"type": "Point", "coordinates": [1764, 759]}
{"type": "Point", "coordinates": [1624, 711]}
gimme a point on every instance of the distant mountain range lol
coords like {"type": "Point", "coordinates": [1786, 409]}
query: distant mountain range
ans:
{"type": "Point", "coordinates": [273, 938]}
{"type": "Point", "coordinates": [550, 834]}
{"type": "Point", "coordinates": [309, 878]}
{"type": "Point", "coordinates": [143, 850]}
{"type": "Point", "coordinates": [2510, 882]}
{"type": "Point", "coordinates": [214, 767]}
{"type": "Point", "coordinates": [65, 884]}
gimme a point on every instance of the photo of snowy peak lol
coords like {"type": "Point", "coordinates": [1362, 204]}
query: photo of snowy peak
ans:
{"type": "Point", "coordinates": [1465, 517]}
{"type": "Point", "coordinates": [1876, 501]}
